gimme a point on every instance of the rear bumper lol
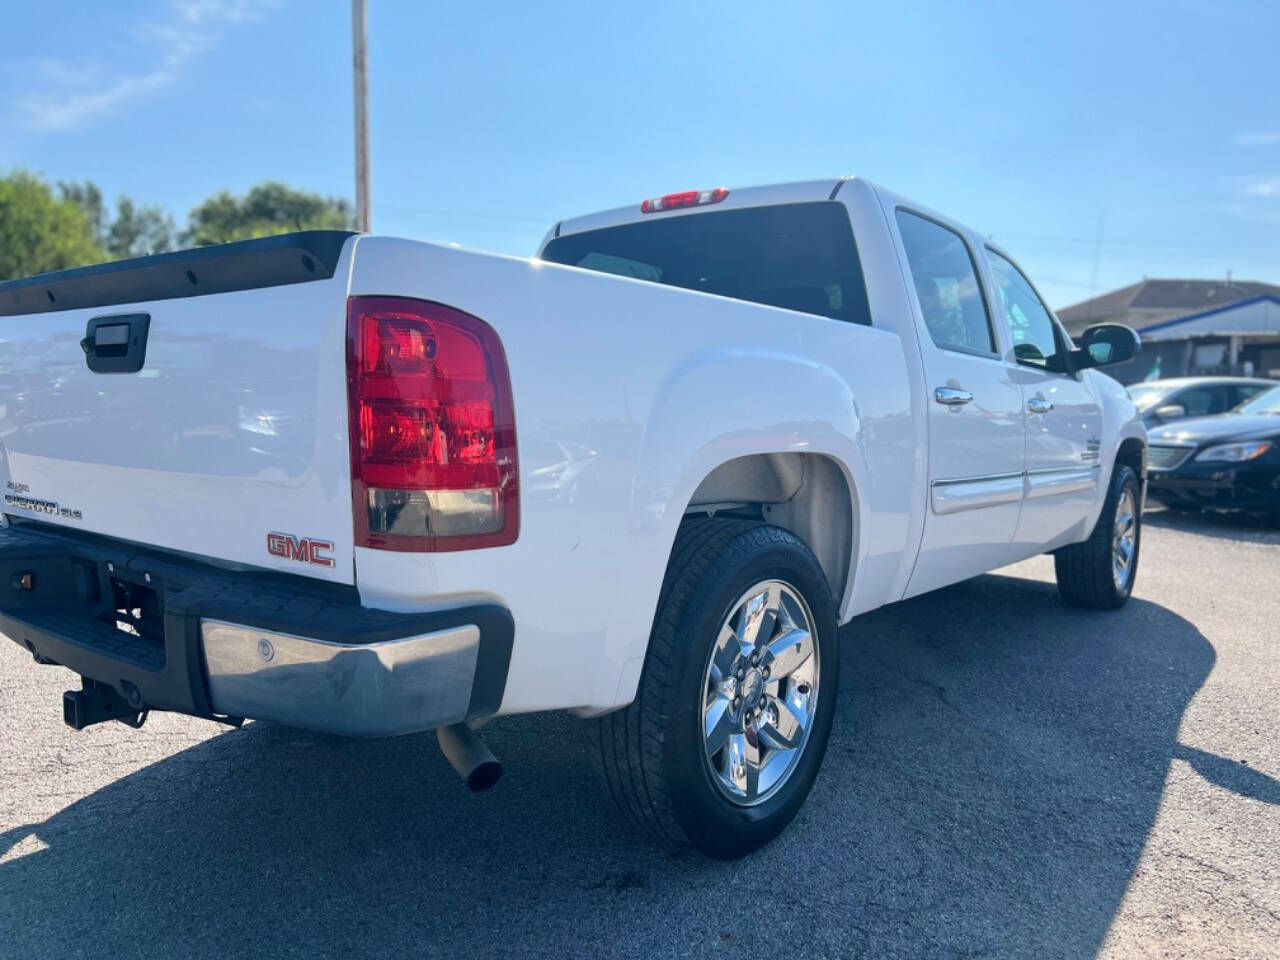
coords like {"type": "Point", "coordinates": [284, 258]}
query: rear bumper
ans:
{"type": "Point", "coordinates": [217, 643]}
{"type": "Point", "coordinates": [364, 690]}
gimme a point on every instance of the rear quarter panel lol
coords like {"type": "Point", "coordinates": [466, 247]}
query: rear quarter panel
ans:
{"type": "Point", "coordinates": [627, 394]}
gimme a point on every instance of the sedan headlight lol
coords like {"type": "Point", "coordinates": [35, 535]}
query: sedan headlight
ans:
{"type": "Point", "coordinates": [1235, 452]}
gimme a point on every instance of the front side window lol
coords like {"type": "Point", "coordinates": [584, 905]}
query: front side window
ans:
{"type": "Point", "coordinates": [1203, 401]}
{"type": "Point", "coordinates": [1145, 396]}
{"type": "Point", "coordinates": [946, 285]}
{"type": "Point", "coordinates": [1031, 326]}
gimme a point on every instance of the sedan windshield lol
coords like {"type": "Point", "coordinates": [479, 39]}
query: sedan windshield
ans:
{"type": "Point", "coordinates": [1145, 396]}
{"type": "Point", "coordinates": [1266, 402]}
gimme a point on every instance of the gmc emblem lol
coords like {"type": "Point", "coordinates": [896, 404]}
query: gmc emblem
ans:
{"type": "Point", "coordinates": [302, 549]}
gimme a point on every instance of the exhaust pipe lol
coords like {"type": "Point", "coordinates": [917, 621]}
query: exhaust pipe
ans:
{"type": "Point", "coordinates": [468, 755]}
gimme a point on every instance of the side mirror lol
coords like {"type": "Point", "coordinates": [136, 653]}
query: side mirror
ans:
{"type": "Point", "coordinates": [1171, 411]}
{"type": "Point", "coordinates": [1106, 343]}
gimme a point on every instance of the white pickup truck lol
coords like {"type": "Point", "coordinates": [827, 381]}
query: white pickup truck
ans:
{"type": "Point", "coordinates": [372, 486]}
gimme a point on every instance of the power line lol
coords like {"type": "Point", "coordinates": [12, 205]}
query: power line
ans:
{"type": "Point", "coordinates": [543, 222]}
{"type": "Point", "coordinates": [1111, 242]}
{"type": "Point", "coordinates": [1041, 278]}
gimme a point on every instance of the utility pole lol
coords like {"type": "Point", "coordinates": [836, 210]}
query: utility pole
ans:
{"type": "Point", "coordinates": [360, 64]}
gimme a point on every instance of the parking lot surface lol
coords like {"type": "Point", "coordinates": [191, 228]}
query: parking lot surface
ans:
{"type": "Point", "coordinates": [1006, 778]}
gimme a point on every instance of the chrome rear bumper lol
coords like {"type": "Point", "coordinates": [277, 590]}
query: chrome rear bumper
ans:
{"type": "Point", "coordinates": [359, 690]}
{"type": "Point", "coordinates": [168, 632]}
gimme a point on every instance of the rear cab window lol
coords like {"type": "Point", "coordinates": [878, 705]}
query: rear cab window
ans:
{"type": "Point", "coordinates": [798, 256]}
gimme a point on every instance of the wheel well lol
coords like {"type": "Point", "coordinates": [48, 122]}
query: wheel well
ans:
{"type": "Point", "coordinates": [805, 493]}
{"type": "Point", "coordinates": [1132, 453]}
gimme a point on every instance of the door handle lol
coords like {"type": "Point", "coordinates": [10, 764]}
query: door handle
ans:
{"type": "Point", "coordinates": [1039, 404]}
{"type": "Point", "coordinates": [952, 397]}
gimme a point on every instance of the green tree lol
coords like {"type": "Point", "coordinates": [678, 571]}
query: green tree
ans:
{"type": "Point", "coordinates": [137, 231]}
{"type": "Point", "coordinates": [40, 231]}
{"type": "Point", "coordinates": [133, 232]}
{"type": "Point", "coordinates": [267, 209]}
{"type": "Point", "coordinates": [88, 198]}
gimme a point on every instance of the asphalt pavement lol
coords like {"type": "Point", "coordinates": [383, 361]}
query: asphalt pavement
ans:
{"type": "Point", "coordinates": [1006, 778]}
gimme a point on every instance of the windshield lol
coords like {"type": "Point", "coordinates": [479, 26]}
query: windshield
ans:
{"type": "Point", "coordinates": [1147, 395]}
{"type": "Point", "coordinates": [1265, 402]}
{"type": "Point", "coordinates": [798, 256]}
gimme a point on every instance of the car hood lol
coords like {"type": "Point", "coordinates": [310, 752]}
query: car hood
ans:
{"type": "Point", "coordinates": [1227, 426]}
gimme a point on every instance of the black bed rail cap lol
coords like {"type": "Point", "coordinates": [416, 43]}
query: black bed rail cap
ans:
{"type": "Point", "coordinates": [220, 268]}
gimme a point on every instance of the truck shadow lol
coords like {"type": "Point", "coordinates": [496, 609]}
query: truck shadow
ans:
{"type": "Point", "coordinates": [996, 766]}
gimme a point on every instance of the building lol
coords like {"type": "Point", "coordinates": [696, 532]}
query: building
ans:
{"type": "Point", "coordinates": [1190, 327]}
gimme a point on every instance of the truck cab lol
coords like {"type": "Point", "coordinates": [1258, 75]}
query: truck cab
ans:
{"type": "Point", "coordinates": [1014, 418]}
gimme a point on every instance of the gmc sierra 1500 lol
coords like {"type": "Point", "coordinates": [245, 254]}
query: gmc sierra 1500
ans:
{"type": "Point", "coordinates": [373, 486]}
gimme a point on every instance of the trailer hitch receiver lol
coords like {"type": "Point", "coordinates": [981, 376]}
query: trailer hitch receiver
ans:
{"type": "Point", "coordinates": [98, 702]}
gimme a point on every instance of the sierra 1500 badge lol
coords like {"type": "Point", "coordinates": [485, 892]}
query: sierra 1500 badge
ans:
{"type": "Point", "coordinates": [302, 549]}
{"type": "Point", "coordinates": [16, 498]}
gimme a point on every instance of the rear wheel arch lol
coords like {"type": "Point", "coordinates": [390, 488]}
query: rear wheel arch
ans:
{"type": "Point", "coordinates": [811, 495]}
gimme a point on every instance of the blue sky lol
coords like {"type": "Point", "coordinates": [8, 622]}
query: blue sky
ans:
{"type": "Point", "coordinates": [1155, 127]}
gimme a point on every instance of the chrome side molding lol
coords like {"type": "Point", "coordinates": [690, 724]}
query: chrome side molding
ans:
{"type": "Point", "coordinates": [974, 493]}
{"type": "Point", "coordinates": [952, 496]}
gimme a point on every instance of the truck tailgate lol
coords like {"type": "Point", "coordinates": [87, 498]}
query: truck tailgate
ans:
{"type": "Point", "coordinates": [229, 443]}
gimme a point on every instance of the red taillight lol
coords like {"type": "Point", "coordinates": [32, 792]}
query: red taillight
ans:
{"type": "Point", "coordinates": [687, 198]}
{"type": "Point", "coordinates": [433, 440]}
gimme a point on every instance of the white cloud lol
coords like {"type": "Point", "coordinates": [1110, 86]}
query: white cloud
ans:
{"type": "Point", "coordinates": [1261, 187]}
{"type": "Point", "coordinates": [1258, 138]}
{"type": "Point", "coordinates": [1255, 198]}
{"type": "Point", "coordinates": [1254, 212]}
{"type": "Point", "coordinates": [68, 93]}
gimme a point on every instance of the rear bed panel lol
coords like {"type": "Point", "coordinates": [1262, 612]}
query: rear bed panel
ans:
{"type": "Point", "coordinates": [236, 426]}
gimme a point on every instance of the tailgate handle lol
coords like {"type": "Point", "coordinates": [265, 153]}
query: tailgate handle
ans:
{"type": "Point", "coordinates": [116, 344]}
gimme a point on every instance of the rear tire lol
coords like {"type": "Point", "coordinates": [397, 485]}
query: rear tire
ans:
{"type": "Point", "coordinates": [699, 759]}
{"type": "Point", "coordinates": [1099, 573]}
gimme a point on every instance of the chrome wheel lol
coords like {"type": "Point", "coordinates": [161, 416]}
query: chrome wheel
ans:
{"type": "Point", "coordinates": [760, 690]}
{"type": "Point", "coordinates": [1124, 538]}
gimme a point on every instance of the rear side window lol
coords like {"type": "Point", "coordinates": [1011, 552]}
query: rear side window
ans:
{"type": "Point", "coordinates": [798, 256]}
{"type": "Point", "coordinates": [1246, 391]}
{"type": "Point", "coordinates": [947, 285]}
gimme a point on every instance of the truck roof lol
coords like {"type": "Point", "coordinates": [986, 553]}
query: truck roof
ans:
{"type": "Point", "coordinates": [798, 192]}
